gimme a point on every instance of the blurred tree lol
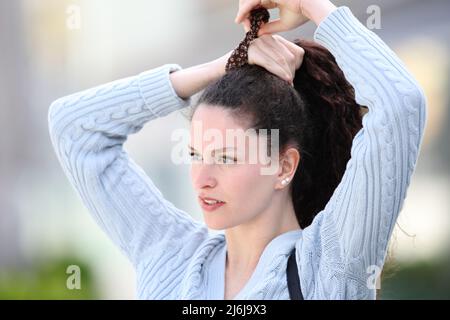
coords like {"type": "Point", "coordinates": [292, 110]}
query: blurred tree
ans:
{"type": "Point", "coordinates": [47, 280]}
{"type": "Point", "coordinates": [428, 279]}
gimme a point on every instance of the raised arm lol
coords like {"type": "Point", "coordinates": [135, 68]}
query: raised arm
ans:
{"type": "Point", "coordinates": [343, 250]}
{"type": "Point", "coordinates": [88, 130]}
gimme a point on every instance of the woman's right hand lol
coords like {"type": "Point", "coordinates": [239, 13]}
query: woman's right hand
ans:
{"type": "Point", "coordinates": [290, 14]}
{"type": "Point", "coordinates": [277, 55]}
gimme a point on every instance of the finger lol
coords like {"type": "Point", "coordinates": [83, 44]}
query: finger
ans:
{"type": "Point", "coordinates": [247, 25]}
{"type": "Point", "coordinates": [268, 4]}
{"type": "Point", "coordinates": [244, 10]}
{"type": "Point", "coordinates": [272, 27]}
{"type": "Point", "coordinates": [290, 45]}
{"type": "Point", "coordinates": [264, 60]}
{"type": "Point", "coordinates": [275, 58]}
{"type": "Point", "coordinates": [296, 50]}
{"type": "Point", "coordinates": [290, 56]}
{"type": "Point", "coordinates": [280, 54]}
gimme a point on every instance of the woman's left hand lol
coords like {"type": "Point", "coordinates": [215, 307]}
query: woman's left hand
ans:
{"type": "Point", "coordinates": [272, 52]}
{"type": "Point", "coordinates": [277, 55]}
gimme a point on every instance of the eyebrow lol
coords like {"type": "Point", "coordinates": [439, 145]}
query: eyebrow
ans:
{"type": "Point", "coordinates": [219, 149]}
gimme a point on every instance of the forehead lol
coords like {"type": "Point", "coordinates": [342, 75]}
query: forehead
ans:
{"type": "Point", "coordinates": [215, 117]}
{"type": "Point", "coordinates": [213, 124]}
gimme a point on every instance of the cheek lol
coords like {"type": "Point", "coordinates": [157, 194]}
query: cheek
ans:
{"type": "Point", "coordinates": [249, 188]}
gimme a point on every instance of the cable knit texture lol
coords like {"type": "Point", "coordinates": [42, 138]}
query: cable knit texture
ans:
{"type": "Point", "coordinates": [177, 257]}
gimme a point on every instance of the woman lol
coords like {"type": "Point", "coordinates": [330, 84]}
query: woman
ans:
{"type": "Point", "coordinates": [340, 182]}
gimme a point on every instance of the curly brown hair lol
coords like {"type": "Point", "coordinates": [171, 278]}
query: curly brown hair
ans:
{"type": "Point", "coordinates": [319, 115]}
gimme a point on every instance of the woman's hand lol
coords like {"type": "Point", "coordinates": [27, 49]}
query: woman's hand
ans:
{"type": "Point", "coordinates": [272, 52]}
{"type": "Point", "coordinates": [277, 55]}
{"type": "Point", "coordinates": [291, 15]}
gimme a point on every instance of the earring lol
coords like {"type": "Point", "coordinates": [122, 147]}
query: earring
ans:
{"type": "Point", "coordinates": [285, 181]}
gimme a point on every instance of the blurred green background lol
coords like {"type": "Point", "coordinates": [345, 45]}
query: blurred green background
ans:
{"type": "Point", "coordinates": [50, 48]}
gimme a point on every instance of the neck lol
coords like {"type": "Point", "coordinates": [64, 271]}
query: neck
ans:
{"type": "Point", "coordinates": [246, 242]}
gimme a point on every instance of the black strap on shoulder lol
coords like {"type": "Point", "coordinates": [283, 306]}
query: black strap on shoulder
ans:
{"type": "Point", "coordinates": [293, 281]}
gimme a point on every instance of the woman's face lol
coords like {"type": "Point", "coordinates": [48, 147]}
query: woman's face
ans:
{"type": "Point", "coordinates": [245, 191]}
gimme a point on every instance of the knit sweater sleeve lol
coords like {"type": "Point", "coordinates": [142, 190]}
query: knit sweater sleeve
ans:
{"type": "Point", "coordinates": [88, 130]}
{"type": "Point", "coordinates": [341, 253]}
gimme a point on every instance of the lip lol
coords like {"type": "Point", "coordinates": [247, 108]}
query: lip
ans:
{"type": "Point", "coordinates": [209, 207]}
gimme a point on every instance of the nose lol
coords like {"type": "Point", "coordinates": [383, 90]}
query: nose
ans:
{"type": "Point", "coordinates": [203, 176]}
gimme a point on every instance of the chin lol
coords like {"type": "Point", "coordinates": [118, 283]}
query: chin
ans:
{"type": "Point", "coordinates": [217, 224]}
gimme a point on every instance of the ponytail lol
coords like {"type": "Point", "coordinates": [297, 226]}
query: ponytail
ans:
{"type": "Point", "coordinates": [335, 117]}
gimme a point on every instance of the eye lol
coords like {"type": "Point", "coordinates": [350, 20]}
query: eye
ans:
{"type": "Point", "coordinates": [227, 160]}
{"type": "Point", "coordinates": [195, 157]}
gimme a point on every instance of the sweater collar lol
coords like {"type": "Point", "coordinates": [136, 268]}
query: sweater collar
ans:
{"type": "Point", "coordinates": [280, 245]}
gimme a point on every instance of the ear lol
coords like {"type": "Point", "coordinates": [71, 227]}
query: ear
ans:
{"type": "Point", "coordinates": [289, 161]}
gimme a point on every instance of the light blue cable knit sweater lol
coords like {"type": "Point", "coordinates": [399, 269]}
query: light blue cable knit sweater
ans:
{"type": "Point", "coordinates": [177, 257]}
